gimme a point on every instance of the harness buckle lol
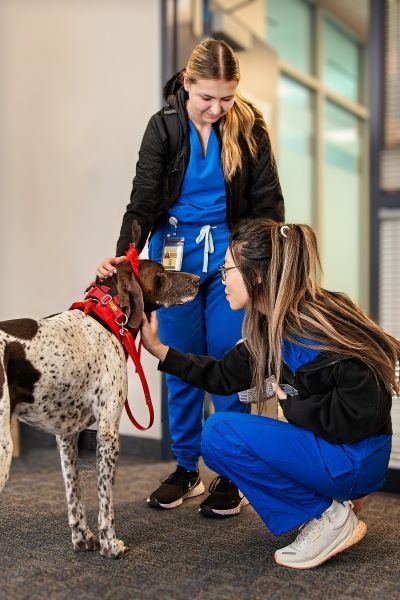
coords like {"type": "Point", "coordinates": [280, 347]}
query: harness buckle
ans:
{"type": "Point", "coordinates": [106, 299]}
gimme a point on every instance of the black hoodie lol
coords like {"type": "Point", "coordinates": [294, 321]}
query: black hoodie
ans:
{"type": "Point", "coordinates": [254, 191]}
{"type": "Point", "coordinates": [339, 399]}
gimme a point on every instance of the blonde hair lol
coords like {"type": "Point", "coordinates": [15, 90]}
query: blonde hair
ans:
{"type": "Point", "coordinates": [280, 269]}
{"type": "Point", "coordinates": [215, 59]}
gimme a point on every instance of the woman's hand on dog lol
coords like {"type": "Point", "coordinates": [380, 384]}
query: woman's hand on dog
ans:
{"type": "Point", "coordinates": [107, 267]}
{"type": "Point", "coordinates": [150, 339]}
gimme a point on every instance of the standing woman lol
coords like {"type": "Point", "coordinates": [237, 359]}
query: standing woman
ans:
{"type": "Point", "coordinates": [337, 373]}
{"type": "Point", "coordinates": [205, 162]}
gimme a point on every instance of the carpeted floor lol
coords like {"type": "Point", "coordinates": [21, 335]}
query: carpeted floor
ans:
{"type": "Point", "coordinates": [173, 554]}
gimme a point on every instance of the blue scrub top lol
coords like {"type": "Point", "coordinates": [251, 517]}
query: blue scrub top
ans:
{"type": "Point", "coordinates": [203, 197]}
{"type": "Point", "coordinates": [295, 356]}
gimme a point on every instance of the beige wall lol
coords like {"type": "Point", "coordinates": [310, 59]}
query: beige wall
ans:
{"type": "Point", "coordinates": [79, 80]}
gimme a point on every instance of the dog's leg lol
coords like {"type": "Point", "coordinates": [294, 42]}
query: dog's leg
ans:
{"type": "Point", "coordinates": [6, 445]}
{"type": "Point", "coordinates": [82, 537]}
{"type": "Point", "coordinates": [107, 455]}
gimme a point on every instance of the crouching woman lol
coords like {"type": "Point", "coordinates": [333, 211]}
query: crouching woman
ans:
{"type": "Point", "coordinates": [336, 369]}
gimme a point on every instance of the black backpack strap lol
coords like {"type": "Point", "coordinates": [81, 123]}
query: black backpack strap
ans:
{"type": "Point", "coordinates": [174, 131]}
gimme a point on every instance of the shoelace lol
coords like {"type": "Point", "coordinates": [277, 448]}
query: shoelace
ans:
{"type": "Point", "coordinates": [309, 528]}
{"type": "Point", "coordinates": [220, 485]}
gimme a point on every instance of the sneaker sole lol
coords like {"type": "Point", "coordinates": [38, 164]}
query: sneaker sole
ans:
{"type": "Point", "coordinates": [206, 511]}
{"type": "Point", "coordinates": [357, 535]}
{"type": "Point", "coordinates": [194, 491]}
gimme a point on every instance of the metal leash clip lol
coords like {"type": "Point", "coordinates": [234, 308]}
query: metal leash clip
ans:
{"type": "Point", "coordinates": [122, 324]}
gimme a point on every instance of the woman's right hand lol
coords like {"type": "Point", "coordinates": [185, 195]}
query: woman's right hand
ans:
{"type": "Point", "coordinates": [150, 339]}
{"type": "Point", "coordinates": [107, 267]}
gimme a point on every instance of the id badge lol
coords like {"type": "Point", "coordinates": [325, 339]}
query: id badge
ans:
{"type": "Point", "coordinates": [172, 254]}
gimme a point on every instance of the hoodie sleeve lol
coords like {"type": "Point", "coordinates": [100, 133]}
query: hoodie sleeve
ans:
{"type": "Point", "coordinates": [147, 189]}
{"type": "Point", "coordinates": [226, 376]}
{"type": "Point", "coordinates": [266, 197]}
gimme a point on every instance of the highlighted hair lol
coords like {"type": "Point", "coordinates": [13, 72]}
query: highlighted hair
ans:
{"type": "Point", "coordinates": [281, 274]}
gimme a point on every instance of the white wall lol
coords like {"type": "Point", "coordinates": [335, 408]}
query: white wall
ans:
{"type": "Point", "coordinates": [79, 80]}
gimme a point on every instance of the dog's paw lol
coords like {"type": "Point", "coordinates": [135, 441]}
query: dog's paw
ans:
{"type": "Point", "coordinates": [114, 549]}
{"type": "Point", "coordinates": [87, 544]}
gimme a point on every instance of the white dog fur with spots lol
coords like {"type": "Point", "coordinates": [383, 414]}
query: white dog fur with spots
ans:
{"type": "Point", "coordinates": [63, 373]}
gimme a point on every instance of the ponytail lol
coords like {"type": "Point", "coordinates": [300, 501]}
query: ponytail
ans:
{"type": "Point", "coordinates": [281, 268]}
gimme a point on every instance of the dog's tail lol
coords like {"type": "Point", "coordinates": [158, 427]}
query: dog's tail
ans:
{"type": "Point", "coordinates": [6, 445]}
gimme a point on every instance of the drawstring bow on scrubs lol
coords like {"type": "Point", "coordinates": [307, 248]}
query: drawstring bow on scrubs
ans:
{"type": "Point", "coordinates": [206, 235]}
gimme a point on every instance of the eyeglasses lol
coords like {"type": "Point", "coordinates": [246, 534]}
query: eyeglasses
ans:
{"type": "Point", "coordinates": [222, 269]}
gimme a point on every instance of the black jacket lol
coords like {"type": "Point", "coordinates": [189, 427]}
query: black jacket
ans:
{"type": "Point", "coordinates": [252, 192]}
{"type": "Point", "coordinates": [338, 399]}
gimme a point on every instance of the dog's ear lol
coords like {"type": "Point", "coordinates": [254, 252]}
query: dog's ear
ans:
{"type": "Point", "coordinates": [136, 233]}
{"type": "Point", "coordinates": [130, 294]}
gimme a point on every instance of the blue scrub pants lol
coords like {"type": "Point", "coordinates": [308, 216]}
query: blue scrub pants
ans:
{"type": "Point", "coordinates": [288, 474]}
{"type": "Point", "coordinates": [206, 326]}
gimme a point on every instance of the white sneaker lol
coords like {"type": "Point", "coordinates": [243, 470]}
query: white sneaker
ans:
{"type": "Point", "coordinates": [321, 538]}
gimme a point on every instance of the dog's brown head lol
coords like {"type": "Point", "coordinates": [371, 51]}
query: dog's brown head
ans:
{"type": "Point", "coordinates": [156, 288]}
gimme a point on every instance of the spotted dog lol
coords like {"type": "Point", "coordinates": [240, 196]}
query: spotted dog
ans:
{"type": "Point", "coordinates": [63, 373]}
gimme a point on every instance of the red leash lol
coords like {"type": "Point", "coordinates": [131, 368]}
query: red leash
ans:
{"type": "Point", "coordinates": [99, 302]}
{"type": "Point", "coordinates": [129, 344]}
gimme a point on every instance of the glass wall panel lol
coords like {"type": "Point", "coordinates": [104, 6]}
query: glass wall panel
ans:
{"type": "Point", "coordinates": [341, 203]}
{"type": "Point", "coordinates": [296, 150]}
{"type": "Point", "coordinates": [290, 31]}
{"type": "Point", "coordinates": [342, 61]}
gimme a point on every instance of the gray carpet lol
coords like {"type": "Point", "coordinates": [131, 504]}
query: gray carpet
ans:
{"type": "Point", "coordinates": [173, 554]}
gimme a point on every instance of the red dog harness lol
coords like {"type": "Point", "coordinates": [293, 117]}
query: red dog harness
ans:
{"type": "Point", "coordinates": [99, 302]}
